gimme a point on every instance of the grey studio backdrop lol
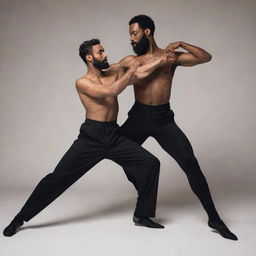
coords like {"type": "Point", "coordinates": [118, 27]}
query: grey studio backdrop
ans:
{"type": "Point", "coordinates": [213, 103]}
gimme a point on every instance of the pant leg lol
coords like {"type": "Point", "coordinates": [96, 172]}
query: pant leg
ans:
{"type": "Point", "coordinates": [79, 158]}
{"type": "Point", "coordinates": [134, 129]}
{"type": "Point", "coordinates": [143, 168]}
{"type": "Point", "coordinates": [174, 141]}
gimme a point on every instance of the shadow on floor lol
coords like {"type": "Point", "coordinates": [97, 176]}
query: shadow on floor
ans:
{"type": "Point", "coordinates": [110, 209]}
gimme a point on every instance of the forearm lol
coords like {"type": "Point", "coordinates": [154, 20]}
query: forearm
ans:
{"type": "Point", "coordinates": [145, 70]}
{"type": "Point", "coordinates": [148, 68]}
{"type": "Point", "coordinates": [118, 86]}
{"type": "Point", "coordinates": [199, 53]}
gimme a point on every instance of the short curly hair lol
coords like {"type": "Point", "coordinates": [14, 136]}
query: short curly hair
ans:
{"type": "Point", "coordinates": [86, 48]}
{"type": "Point", "coordinates": [144, 22]}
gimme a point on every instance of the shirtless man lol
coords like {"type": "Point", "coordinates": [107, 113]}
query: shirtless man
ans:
{"type": "Point", "coordinates": [99, 139]}
{"type": "Point", "coordinates": [151, 114]}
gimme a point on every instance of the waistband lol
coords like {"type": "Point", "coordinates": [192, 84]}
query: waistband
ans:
{"type": "Point", "coordinates": [100, 123]}
{"type": "Point", "coordinates": [138, 104]}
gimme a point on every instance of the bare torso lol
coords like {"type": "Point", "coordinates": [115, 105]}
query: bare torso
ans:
{"type": "Point", "coordinates": [100, 109]}
{"type": "Point", "coordinates": [152, 90]}
{"type": "Point", "coordinates": [156, 88]}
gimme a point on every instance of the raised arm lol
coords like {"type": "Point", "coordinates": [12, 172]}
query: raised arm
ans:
{"type": "Point", "coordinates": [146, 69]}
{"type": "Point", "coordinates": [193, 56]}
{"type": "Point", "coordinates": [97, 90]}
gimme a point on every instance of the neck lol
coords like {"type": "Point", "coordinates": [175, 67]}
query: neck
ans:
{"type": "Point", "coordinates": [152, 46]}
{"type": "Point", "coordinates": [94, 71]}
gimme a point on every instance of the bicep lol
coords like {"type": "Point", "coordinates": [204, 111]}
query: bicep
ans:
{"type": "Point", "coordinates": [186, 59]}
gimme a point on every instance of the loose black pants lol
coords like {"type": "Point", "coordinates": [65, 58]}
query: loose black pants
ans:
{"type": "Point", "coordinates": [158, 121]}
{"type": "Point", "coordinates": [96, 141]}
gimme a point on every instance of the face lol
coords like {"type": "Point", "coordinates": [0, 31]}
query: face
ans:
{"type": "Point", "coordinates": [139, 41]}
{"type": "Point", "coordinates": [99, 57]}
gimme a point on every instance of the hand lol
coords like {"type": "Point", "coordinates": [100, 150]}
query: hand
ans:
{"type": "Point", "coordinates": [135, 64]}
{"type": "Point", "coordinates": [173, 46]}
{"type": "Point", "coordinates": [168, 57]}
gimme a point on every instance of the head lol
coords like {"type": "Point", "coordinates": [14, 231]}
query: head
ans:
{"type": "Point", "coordinates": [141, 30]}
{"type": "Point", "coordinates": [92, 53]}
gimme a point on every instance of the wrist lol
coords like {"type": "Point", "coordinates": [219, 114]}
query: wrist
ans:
{"type": "Point", "coordinates": [159, 60]}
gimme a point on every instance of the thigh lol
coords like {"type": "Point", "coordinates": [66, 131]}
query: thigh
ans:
{"type": "Point", "coordinates": [128, 153]}
{"type": "Point", "coordinates": [134, 130]}
{"type": "Point", "coordinates": [173, 140]}
{"type": "Point", "coordinates": [82, 155]}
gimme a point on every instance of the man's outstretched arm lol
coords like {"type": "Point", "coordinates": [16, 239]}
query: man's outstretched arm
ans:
{"type": "Point", "coordinates": [96, 90]}
{"type": "Point", "coordinates": [194, 55]}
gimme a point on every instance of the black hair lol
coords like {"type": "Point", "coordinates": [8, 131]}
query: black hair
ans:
{"type": "Point", "coordinates": [86, 48]}
{"type": "Point", "coordinates": [144, 22]}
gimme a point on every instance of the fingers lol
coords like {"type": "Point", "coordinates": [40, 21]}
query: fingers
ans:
{"type": "Point", "coordinates": [137, 63]}
{"type": "Point", "coordinates": [171, 53]}
{"type": "Point", "coordinates": [172, 47]}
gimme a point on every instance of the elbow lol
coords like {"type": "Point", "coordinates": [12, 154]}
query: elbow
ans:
{"type": "Point", "coordinates": [207, 58]}
{"type": "Point", "coordinates": [204, 59]}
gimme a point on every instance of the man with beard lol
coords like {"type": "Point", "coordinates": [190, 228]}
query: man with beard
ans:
{"type": "Point", "coordinates": [99, 139]}
{"type": "Point", "coordinates": [151, 114]}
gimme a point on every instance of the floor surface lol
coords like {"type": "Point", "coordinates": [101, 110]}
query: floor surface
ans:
{"type": "Point", "coordinates": [97, 223]}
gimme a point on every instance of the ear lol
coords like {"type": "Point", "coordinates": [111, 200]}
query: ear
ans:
{"type": "Point", "coordinates": [147, 32]}
{"type": "Point", "coordinates": [89, 58]}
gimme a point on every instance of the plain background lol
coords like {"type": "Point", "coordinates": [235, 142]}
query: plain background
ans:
{"type": "Point", "coordinates": [41, 113]}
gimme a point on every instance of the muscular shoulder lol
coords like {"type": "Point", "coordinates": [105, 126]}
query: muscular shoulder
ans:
{"type": "Point", "coordinates": [126, 61]}
{"type": "Point", "coordinates": [82, 82]}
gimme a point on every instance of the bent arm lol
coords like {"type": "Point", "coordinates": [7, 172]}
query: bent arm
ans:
{"type": "Point", "coordinates": [194, 55]}
{"type": "Point", "coordinates": [98, 90]}
{"type": "Point", "coordinates": [146, 69]}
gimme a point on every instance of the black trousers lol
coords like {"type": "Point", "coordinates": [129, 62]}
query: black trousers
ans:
{"type": "Point", "coordinates": [158, 121]}
{"type": "Point", "coordinates": [96, 141]}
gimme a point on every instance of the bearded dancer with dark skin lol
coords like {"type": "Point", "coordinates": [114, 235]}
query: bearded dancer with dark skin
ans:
{"type": "Point", "coordinates": [151, 114]}
{"type": "Point", "coordinates": [100, 138]}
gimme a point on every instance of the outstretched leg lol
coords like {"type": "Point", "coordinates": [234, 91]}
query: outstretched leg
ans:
{"type": "Point", "coordinates": [77, 161]}
{"type": "Point", "coordinates": [174, 142]}
{"type": "Point", "coordinates": [131, 130]}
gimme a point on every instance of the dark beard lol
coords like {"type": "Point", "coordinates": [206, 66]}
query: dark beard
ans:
{"type": "Point", "coordinates": [100, 64]}
{"type": "Point", "coordinates": [142, 46]}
